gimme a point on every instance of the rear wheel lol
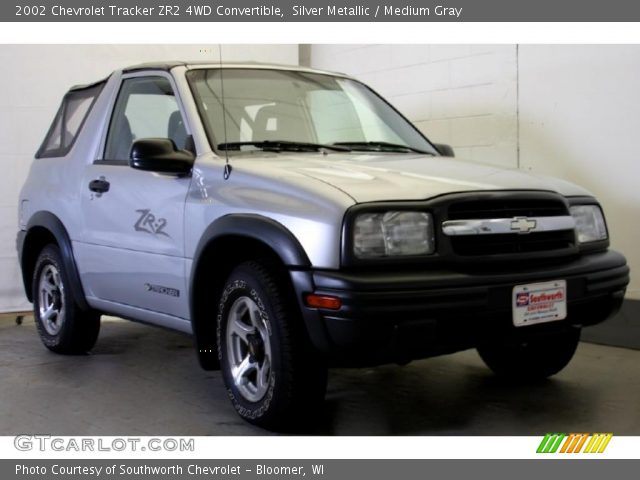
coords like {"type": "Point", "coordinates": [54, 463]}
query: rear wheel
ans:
{"type": "Point", "coordinates": [63, 326]}
{"type": "Point", "coordinates": [272, 376]}
{"type": "Point", "coordinates": [533, 359]}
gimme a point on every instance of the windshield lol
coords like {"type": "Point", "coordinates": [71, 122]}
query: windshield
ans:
{"type": "Point", "coordinates": [264, 107]}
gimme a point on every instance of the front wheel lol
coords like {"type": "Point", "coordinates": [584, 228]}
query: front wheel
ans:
{"type": "Point", "coordinates": [272, 376]}
{"type": "Point", "coordinates": [533, 359]}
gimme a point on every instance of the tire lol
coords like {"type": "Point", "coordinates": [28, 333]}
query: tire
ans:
{"type": "Point", "coordinates": [62, 325]}
{"type": "Point", "coordinates": [534, 359]}
{"type": "Point", "coordinates": [272, 376]}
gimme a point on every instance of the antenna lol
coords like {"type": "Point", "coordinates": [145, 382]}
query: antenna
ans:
{"type": "Point", "coordinates": [227, 165]}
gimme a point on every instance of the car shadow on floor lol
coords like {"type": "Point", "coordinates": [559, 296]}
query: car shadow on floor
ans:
{"type": "Point", "coordinates": [432, 397]}
{"type": "Point", "coordinates": [147, 381]}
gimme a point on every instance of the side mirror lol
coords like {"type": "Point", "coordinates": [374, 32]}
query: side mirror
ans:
{"type": "Point", "coordinates": [160, 155]}
{"type": "Point", "coordinates": [444, 149]}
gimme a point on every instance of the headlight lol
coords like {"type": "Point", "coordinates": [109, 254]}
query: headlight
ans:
{"type": "Point", "coordinates": [393, 234]}
{"type": "Point", "coordinates": [589, 223]}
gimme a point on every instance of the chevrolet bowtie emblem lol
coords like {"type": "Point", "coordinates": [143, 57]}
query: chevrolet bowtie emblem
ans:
{"type": "Point", "coordinates": [523, 225]}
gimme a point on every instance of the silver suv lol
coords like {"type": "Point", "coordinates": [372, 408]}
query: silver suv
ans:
{"type": "Point", "coordinates": [293, 220]}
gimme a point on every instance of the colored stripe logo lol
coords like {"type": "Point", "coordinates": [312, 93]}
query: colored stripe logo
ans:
{"type": "Point", "coordinates": [574, 443]}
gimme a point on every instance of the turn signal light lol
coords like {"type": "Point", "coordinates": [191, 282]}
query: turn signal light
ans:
{"type": "Point", "coordinates": [323, 301]}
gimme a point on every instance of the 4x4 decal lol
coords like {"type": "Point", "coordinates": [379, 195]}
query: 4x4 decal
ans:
{"type": "Point", "coordinates": [150, 224]}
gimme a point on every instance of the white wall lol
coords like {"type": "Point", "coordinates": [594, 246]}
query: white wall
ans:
{"type": "Point", "coordinates": [35, 77]}
{"type": "Point", "coordinates": [572, 111]}
{"type": "Point", "coordinates": [580, 120]}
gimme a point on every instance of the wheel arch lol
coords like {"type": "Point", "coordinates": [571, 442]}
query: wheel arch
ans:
{"type": "Point", "coordinates": [42, 229]}
{"type": "Point", "coordinates": [224, 244]}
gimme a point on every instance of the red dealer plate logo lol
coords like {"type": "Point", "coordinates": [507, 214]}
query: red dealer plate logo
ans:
{"type": "Point", "coordinates": [539, 303]}
{"type": "Point", "coordinates": [522, 299]}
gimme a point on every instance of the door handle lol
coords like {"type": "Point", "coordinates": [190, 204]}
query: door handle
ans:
{"type": "Point", "coordinates": [99, 185]}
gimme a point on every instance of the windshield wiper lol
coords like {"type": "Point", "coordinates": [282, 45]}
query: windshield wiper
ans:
{"type": "Point", "coordinates": [382, 147]}
{"type": "Point", "coordinates": [283, 145]}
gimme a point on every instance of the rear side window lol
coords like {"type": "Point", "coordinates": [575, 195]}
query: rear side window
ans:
{"type": "Point", "coordinates": [71, 115]}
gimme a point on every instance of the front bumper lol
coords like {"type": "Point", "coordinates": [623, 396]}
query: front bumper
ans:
{"type": "Point", "coordinates": [400, 316]}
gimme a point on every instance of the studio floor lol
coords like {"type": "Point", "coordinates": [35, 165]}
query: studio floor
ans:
{"type": "Point", "coordinates": [141, 380]}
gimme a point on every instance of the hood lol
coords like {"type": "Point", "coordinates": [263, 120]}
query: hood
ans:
{"type": "Point", "coordinates": [381, 177]}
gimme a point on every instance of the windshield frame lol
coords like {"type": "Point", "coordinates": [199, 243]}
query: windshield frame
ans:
{"type": "Point", "coordinates": [211, 138]}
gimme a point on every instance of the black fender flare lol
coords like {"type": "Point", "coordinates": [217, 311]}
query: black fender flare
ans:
{"type": "Point", "coordinates": [260, 228]}
{"type": "Point", "coordinates": [255, 227]}
{"type": "Point", "coordinates": [54, 225]}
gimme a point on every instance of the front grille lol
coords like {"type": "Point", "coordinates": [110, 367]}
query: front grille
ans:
{"type": "Point", "coordinates": [512, 243]}
{"type": "Point", "coordinates": [509, 243]}
{"type": "Point", "coordinates": [506, 208]}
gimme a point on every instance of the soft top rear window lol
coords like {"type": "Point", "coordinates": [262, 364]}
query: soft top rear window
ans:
{"type": "Point", "coordinates": [68, 122]}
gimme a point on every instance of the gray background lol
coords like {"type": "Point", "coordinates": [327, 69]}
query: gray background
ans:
{"type": "Point", "coordinates": [370, 469]}
{"type": "Point", "coordinates": [472, 10]}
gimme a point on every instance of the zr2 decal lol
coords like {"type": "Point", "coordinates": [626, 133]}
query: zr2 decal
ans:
{"type": "Point", "coordinates": [150, 224]}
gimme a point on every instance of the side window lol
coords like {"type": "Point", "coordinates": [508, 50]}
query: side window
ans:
{"type": "Point", "coordinates": [146, 108]}
{"type": "Point", "coordinates": [66, 126]}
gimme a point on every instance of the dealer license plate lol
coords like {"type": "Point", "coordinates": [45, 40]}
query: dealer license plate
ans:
{"type": "Point", "coordinates": [539, 303]}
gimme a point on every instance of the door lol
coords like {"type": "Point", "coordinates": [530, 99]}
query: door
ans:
{"type": "Point", "coordinates": [131, 251]}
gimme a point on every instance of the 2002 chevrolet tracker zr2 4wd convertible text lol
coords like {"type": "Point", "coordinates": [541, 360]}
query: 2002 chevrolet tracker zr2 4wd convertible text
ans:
{"type": "Point", "coordinates": [293, 220]}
